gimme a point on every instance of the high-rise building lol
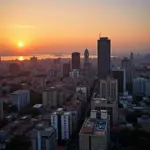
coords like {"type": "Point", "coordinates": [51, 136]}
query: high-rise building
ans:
{"type": "Point", "coordinates": [86, 56]}
{"type": "Point", "coordinates": [107, 98]}
{"type": "Point", "coordinates": [147, 88]}
{"type": "Point", "coordinates": [21, 98]}
{"type": "Point", "coordinates": [98, 103]}
{"type": "Point", "coordinates": [109, 89]}
{"type": "Point", "coordinates": [44, 138]}
{"type": "Point", "coordinates": [139, 86]}
{"type": "Point", "coordinates": [66, 125]}
{"type": "Point", "coordinates": [76, 60]}
{"type": "Point", "coordinates": [53, 97]}
{"type": "Point", "coordinates": [94, 134]}
{"type": "Point", "coordinates": [126, 65]}
{"type": "Point", "coordinates": [1, 110]}
{"type": "Point", "coordinates": [86, 63]}
{"type": "Point", "coordinates": [119, 74]}
{"type": "Point", "coordinates": [104, 54]}
{"type": "Point", "coordinates": [66, 69]}
{"type": "Point", "coordinates": [62, 121]}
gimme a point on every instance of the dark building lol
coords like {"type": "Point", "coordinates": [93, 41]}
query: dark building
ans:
{"type": "Point", "coordinates": [103, 46]}
{"type": "Point", "coordinates": [66, 69]}
{"type": "Point", "coordinates": [119, 74]}
{"type": "Point", "coordinates": [75, 60]}
{"type": "Point", "coordinates": [14, 68]}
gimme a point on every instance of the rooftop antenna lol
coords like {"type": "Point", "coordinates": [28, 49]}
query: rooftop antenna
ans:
{"type": "Point", "coordinates": [99, 35]}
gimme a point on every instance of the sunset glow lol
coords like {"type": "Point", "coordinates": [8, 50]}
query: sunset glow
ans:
{"type": "Point", "coordinates": [20, 44]}
{"type": "Point", "coordinates": [43, 27]}
{"type": "Point", "coordinates": [21, 58]}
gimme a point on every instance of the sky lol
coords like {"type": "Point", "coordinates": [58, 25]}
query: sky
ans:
{"type": "Point", "coordinates": [63, 26]}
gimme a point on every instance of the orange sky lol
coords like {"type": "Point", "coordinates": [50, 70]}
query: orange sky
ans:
{"type": "Point", "coordinates": [67, 25]}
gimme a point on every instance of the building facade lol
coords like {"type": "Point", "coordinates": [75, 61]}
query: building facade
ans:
{"type": "Point", "coordinates": [109, 89]}
{"type": "Point", "coordinates": [21, 98]}
{"type": "Point", "coordinates": [86, 63]}
{"type": "Point", "coordinates": [44, 138]}
{"type": "Point", "coordinates": [62, 122]}
{"type": "Point", "coordinates": [76, 60]}
{"type": "Point", "coordinates": [66, 69]}
{"type": "Point", "coordinates": [1, 110]}
{"type": "Point", "coordinates": [98, 103]}
{"type": "Point", "coordinates": [104, 50]}
{"type": "Point", "coordinates": [139, 86]}
{"type": "Point", "coordinates": [126, 65]}
{"type": "Point", "coordinates": [53, 97]}
{"type": "Point", "coordinates": [120, 75]}
{"type": "Point", "coordinates": [94, 134]}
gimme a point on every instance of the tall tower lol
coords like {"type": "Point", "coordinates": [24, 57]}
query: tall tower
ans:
{"type": "Point", "coordinates": [103, 46]}
{"type": "Point", "coordinates": [86, 56]}
{"type": "Point", "coordinates": [126, 65]}
{"type": "Point", "coordinates": [86, 63]}
{"type": "Point", "coordinates": [75, 60]}
{"type": "Point", "coordinates": [131, 59]}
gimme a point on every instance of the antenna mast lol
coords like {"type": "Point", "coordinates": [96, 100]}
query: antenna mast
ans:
{"type": "Point", "coordinates": [99, 35]}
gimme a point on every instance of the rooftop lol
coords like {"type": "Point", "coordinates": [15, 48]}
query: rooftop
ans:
{"type": "Point", "coordinates": [20, 91]}
{"type": "Point", "coordinates": [37, 106]}
{"type": "Point", "coordinates": [94, 126]}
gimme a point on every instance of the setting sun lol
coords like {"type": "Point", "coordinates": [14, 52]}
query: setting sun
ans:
{"type": "Point", "coordinates": [20, 44]}
{"type": "Point", "coordinates": [21, 58]}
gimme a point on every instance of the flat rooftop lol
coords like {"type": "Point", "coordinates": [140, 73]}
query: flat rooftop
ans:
{"type": "Point", "coordinates": [20, 91]}
{"type": "Point", "coordinates": [94, 126]}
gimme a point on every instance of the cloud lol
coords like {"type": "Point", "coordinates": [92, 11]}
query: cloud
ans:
{"type": "Point", "coordinates": [23, 26]}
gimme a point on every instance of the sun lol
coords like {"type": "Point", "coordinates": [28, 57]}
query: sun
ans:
{"type": "Point", "coordinates": [20, 44]}
{"type": "Point", "coordinates": [21, 58]}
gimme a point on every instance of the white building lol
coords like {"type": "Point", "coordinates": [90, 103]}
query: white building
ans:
{"type": "Point", "coordinates": [21, 98]}
{"type": "Point", "coordinates": [66, 125]}
{"type": "Point", "coordinates": [62, 122]}
{"type": "Point", "coordinates": [139, 86]}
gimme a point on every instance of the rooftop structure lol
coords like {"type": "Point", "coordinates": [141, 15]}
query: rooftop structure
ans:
{"type": "Point", "coordinates": [94, 133]}
{"type": "Point", "coordinates": [94, 126]}
{"type": "Point", "coordinates": [37, 106]}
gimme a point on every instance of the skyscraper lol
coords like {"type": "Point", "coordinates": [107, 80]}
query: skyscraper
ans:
{"type": "Point", "coordinates": [66, 69]}
{"type": "Point", "coordinates": [126, 65]}
{"type": "Point", "coordinates": [120, 75]}
{"type": "Point", "coordinates": [75, 60]}
{"type": "Point", "coordinates": [103, 46]}
{"type": "Point", "coordinates": [86, 63]}
{"type": "Point", "coordinates": [86, 56]}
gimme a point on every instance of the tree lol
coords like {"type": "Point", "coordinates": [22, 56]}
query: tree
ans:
{"type": "Point", "coordinates": [19, 143]}
{"type": "Point", "coordinates": [35, 98]}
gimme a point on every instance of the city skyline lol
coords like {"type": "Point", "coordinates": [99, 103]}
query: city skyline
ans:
{"type": "Point", "coordinates": [30, 27]}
